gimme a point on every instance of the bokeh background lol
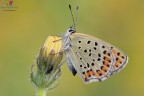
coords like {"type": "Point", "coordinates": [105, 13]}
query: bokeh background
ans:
{"type": "Point", "coordinates": [23, 32]}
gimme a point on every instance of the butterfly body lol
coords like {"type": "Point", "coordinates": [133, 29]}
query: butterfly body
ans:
{"type": "Point", "coordinates": [92, 58]}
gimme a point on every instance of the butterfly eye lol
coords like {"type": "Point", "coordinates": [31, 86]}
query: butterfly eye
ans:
{"type": "Point", "coordinates": [72, 31]}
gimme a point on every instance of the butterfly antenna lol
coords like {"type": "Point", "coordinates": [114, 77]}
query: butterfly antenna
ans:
{"type": "Point", "coordinates": [72, 16]}
{"type": "Point", "coordinates": [77, 8]}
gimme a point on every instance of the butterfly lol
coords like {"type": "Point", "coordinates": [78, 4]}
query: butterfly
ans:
{"type": "Point", "coordinates": [92, 58]}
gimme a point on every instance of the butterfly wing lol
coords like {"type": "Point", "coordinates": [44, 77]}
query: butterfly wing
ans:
{"type": "Point", "coordinates": [120, 57]}
{"type": "Point", "coordinates": [92, 58]}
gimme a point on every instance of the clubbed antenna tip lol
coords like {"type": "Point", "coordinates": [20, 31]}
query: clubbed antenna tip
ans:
{"type": "Point", "coordinates": [70, 7]}
{"type": "Point", "coordinates": [77, 8]}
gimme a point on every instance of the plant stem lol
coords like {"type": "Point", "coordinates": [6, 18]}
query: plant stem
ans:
{"type": "Point", "coordinates": [41, 92]}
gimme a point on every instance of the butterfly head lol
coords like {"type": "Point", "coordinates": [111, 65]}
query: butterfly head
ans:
{"type": "Point", "coordinates": [70, 31]}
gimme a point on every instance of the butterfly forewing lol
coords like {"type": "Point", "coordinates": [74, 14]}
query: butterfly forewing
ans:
{"type": "Point", "coordinates": [91, 57]}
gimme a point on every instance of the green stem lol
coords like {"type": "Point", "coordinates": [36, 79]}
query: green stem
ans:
{"type": "Point", "coordinates": [41, 92]}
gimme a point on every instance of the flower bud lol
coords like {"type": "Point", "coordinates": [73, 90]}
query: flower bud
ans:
{"type": "Point", "coordinates": [50, 54]}
{"type": "Point", "coordinates": [48, 63]}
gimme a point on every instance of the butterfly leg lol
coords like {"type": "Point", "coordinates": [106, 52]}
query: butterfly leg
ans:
{"type": "Point", "coordinates": [67, 47]}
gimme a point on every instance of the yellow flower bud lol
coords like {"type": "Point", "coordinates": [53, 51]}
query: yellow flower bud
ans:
{"type": "Point", "coordinates": [50, 54]}
{"type": "Point", "coordinates": [48, 63]}
{"type": "Point", "coordinates": [53, 43]}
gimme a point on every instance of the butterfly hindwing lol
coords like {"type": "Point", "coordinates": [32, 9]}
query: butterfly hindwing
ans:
{"type": "Point", "coordinates": [120, 57]}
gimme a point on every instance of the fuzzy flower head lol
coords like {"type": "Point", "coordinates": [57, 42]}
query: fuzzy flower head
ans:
{"type": "Point", "coordinates": [48, 63]}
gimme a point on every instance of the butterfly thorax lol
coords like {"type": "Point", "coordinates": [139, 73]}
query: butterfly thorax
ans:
{"type": "Point", "coordinates": [67, 39]}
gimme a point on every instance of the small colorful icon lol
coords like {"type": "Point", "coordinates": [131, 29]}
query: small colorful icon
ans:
{"type": "Point", "coordinates": [9, 2]}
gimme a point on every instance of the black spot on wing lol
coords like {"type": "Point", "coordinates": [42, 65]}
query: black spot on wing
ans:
{"type": "Point", "coordinates": [98, 59]}
{"type": "Point", "coordinates": [88, 65]}
{"type": "Point", "coordinates": [89, 54]}
{"type": "Point", "coordinates": [103, 46]}
{"type": "Point", "coordinates": [88, 42]}
{"type": "Point", "coordinates": [94, 48]}
{"type": "Point", "coordinates": [118, 53]}
{"type": "Point", "coordinates": [79, 47]}
{"type": "Point", "coordinates": [85, 51]}
{"type": "Point", "coordinates": [99, 55]}
{"type": "Point", "coordinates": [92, 64]}
{"type": "Point", "coordinates": [104, 52]}
{"type": "Point", "coordinates": [96, 43]}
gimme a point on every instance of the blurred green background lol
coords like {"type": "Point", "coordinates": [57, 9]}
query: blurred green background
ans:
{"type": "Point", "coordinates": [22, 33]}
